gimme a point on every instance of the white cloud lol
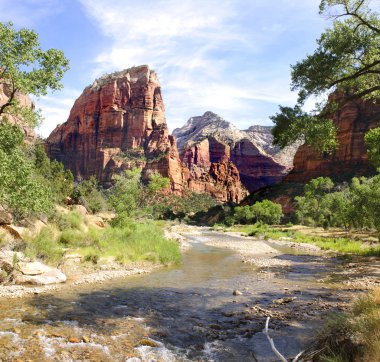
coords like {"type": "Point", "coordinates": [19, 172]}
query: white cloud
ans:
{"type": "Point", "coordinates": [55, 109]}
{"type": "Point", "coordinates": [206, 52]}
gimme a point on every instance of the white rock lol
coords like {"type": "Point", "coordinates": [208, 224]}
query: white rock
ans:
{"type": "Point", "coordinates": [37, 273]}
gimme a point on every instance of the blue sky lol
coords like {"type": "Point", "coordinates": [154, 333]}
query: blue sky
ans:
{"type": "Point", "coordinates": [231, 57]}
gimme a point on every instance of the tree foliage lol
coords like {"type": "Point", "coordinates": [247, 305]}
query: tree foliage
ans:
{"type": "Point", "coordinates": [27, 69]}
{"type": "Point", "coordinates": [372, 140]}
{"type": "Point", "coordinates": [26, 175]}
{"type": "Point", "coordinates": [356, 205]}
{"type": "Point", "coordinates": [346, 61]}
{"type": "Point", "coordinates": [265, 211]}
{"type": "Point", "coordinates": [22, 189]}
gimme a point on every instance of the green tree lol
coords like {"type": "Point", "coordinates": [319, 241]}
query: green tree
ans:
{"type": "Point", "coordinates": [27, 69]}
{"type": "Point", "coordinates": [267, 212]}
{"type": "Point", "coordinates": [90, 195]}
{"type": "Point", "coordinates": [243, 214]}
{"type": "Point", "coordinates": [22, 190]}
{"type": "Point", "coordinates": [24, 69]}
{"type": "Point", "coordinates": [346, 61]}
{"type": "Point", "coordinates": [372, 140]}
{"type": "Point", "coordinates": [126, 194]}
{"type": "Point", "coordinates": [59, 180]}
{"type": "Point", "coordinates": [311, 208]}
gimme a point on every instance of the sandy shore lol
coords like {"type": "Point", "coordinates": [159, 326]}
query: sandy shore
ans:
{"type": "Point", "coordinates": [362, 273]}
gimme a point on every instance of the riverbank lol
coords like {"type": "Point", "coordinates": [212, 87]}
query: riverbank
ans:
{"type": "Point", "coordinates": [211, 306]}
{"type": "Point", "coordinates": [356, 272]}
{"type": "Point", "coordinates": [80, 270]}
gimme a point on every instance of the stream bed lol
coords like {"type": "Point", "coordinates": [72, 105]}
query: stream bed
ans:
{"type": "Point", "coordinates": [184, 313]}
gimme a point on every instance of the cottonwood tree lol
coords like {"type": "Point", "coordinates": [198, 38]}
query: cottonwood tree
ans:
{"type": "Point", "coordinates": [24, 69]}
{"type": "Point", "coordinates": [27, 69]}
{"type": "Point", "coordinates": [346, 61]}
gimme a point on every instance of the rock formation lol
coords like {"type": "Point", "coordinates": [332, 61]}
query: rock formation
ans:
{"type": "Point", "coordinates": [209, 138]}
{"type": "Point", "coordinates": [350, 159]}
{"type": "Point", "coordinates": [23, 101]}
{"type": "Point", "coordinates": [118, 123]}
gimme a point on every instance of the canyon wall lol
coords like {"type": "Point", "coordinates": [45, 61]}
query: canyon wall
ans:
{"type": "Point", "coordinates": [350, 159]}
{"type": "Point", "coordinates": [209, 138]}
{"type": "Point", "coordinates": [119, 123]}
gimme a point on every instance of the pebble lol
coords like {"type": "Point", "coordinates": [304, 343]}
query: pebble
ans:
{"type": "Point", "coordinates": [74, 340]}
{"type": "Point", "coordinates": [86, 339]}
{"type": "Point", "coordinates": [148, 342]}
{"type": "Point", "coordinates": [237, 292]}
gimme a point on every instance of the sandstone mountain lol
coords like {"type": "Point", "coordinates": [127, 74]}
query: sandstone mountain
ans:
{"type": "Point", "coordinates": [118, 123]}
{"type": "Point", "coordinates": [23, 101]}
{"type": "Point", "coordinates": [209, 138]}
{"type": "Point", "coordinates": [354, 120]}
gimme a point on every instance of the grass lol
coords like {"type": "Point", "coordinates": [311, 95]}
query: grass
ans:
{"type": "Point", "coordinates": [338, 244]}
{"type": "Point", "coordinates": [128, 242]}
{"type": "Point", "coordinates": [44, 246]}
{"type": "Point", "coordinates": [354, 335]}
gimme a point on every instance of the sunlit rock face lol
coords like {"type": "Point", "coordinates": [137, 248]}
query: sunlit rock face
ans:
{"type": "Point", "coordinates": [350, 159]}
{"type": "Point", "coordinates": [119, 123]}
{"type": "Point", "coordinates": [207, 139]}
{"type": "Point", "coordinates": [23, 101]}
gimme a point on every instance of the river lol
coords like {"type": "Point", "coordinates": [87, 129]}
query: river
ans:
{"type": "Point", "coordinates": [184, 313]}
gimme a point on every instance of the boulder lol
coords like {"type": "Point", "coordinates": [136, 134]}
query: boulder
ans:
{"type": "Point", "coordinates": [81, 209]}
{"type": "Point", "coordinates": [6, 217]}
{"type": "Point", "coordinates": [37, 273]}
{"type": "Point", "coordinates": [16, 231]}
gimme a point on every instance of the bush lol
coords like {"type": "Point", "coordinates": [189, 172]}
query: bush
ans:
{"type": "Point", "coordinates": [88, 194]}
{"type": "Point", "coordinates": [354, 335]}
{"type": "Point", "coordinates": [71, 220]}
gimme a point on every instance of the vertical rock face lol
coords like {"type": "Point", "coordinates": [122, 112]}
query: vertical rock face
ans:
{"type": "Point", "coordinates": [350, 159]}
{"type": "Point", "coordinates": [209, 138]}
{"type": "Point", "coordinates": [118, 123]}
{"type": "Point", "coordinates": [24, 101]}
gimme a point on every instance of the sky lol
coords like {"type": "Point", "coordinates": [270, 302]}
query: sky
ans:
{"type": "Point", "coordinates": [231, 57]}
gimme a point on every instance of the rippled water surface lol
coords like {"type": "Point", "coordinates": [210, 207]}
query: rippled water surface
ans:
{"type": "Point", "coordinates": [174, 314]}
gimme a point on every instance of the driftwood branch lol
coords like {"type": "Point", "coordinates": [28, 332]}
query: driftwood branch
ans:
{"type": "Point", "coordinates": [274, 349]}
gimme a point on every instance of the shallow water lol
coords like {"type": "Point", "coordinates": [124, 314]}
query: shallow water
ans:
{"type": "Point", "coordinates": [174, 314]}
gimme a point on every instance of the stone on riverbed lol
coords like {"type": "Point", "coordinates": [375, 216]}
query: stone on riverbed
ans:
{"type": "Point", "coordinates": [37, 273]}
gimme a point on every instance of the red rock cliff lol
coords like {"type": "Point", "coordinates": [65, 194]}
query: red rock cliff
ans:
{"type": "Point", "coordinates": [118, 123]}
{"type": "Point", "coordinates": [24, 101]}
{"type": "Point", "coordinates": [350, 159]}
{"type": "Point", "coordinates": [209, 138]}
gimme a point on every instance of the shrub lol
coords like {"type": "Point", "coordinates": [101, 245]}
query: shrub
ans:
{"type": "Point", "coordinates": [71, 220]}
{"type": "Point", "coordinates": [354, 335]}
{"type": "Point", "coordinates": [45, 246]}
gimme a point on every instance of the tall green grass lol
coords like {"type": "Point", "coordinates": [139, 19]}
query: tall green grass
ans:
{"type": "Point", "coordinates": [143, 241]}
{"type": "Point", "coordinates": [45, 246]}
{"type": "Point", "coordinates": [354, 335]}
{"type": "Point", "coordinates": [127, 242]}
